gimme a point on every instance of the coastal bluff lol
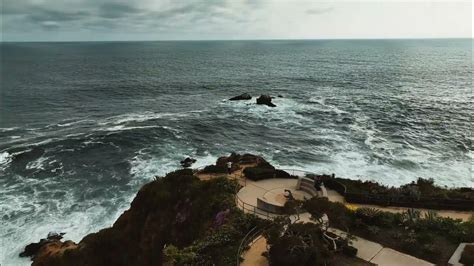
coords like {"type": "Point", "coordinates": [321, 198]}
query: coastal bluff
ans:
{"type": "Point", "coordinates": [175, 211]}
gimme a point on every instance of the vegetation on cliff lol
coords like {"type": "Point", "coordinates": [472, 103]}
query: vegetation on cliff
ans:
{"type": "Point", "coordinates": [172, 220]}
{"type": "Point", "coordinates": [420, 194]}
{"type": "Point", "coordinates": [429, 236]}
{"type": "Point", "coordinates": [306, 244]}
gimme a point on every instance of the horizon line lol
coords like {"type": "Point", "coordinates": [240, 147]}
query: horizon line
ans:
{"type": "Point", "coordinates": [230, 40]}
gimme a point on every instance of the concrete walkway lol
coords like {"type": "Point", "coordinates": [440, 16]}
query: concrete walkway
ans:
{"type": "Point", "coordinates": [265, 189]}
{"type": "Point", "coordinates": [372, 251]}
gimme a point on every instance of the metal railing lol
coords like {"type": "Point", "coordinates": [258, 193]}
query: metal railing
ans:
{"type": "Point", "coordinates": [249, 239]}
{"type": "Point", "coordinates": [253, 209]}
{"type": "Point", "coordinates": [297, 172]}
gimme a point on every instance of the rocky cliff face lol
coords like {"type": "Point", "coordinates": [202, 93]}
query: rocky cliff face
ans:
{"type": "Point", "coordinates": [178, 211]}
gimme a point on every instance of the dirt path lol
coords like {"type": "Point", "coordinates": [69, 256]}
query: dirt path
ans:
{"type": "Point", "coordinates": [336, 197]}
{"type": "Point", "coordinates": [237, 174]}
{"type": "Point", "coordinates": [253, 256]}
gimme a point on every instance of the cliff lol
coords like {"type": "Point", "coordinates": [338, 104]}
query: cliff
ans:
{"type": "Point", "coordinates": [174, 219]}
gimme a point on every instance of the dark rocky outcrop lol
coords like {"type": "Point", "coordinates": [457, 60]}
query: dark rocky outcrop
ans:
{"type": "Point", "coordinates": [237, 161]}
{"type": "Point", "coordinates": [177, 211]}
{"type": "Point", "coordinates": [266, 100]}
{"type": "Point", "coordinates": [187, 162]}
{"type": "Point", "coordinates": [31, 250]}
{"type": "Point", "coordinates": [244, 96]}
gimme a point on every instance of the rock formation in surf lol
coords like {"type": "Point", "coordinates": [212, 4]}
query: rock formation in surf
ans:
{"type": "Point", "coordinates": [244, 96]}
{"type": "Point", "coordinates": [266, 100]}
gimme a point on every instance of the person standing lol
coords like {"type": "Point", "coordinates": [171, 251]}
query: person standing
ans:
{"type": "Point", "coordinates": [229, 167]}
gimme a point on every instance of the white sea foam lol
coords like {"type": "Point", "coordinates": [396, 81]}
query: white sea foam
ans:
{"type": "Point", "coordinates": [325, 107]}
{"type": "Point", "coordinates": [5, 160]}
{"type": "Point", "coordinates": [38, 164]}
{"type": "Point", "coordinates": [6, 129]}
{"type": "Point", "coordinates": [286, 111]}
{"type": "Point", "coordinates": [49, 214]}
{"type": "Point", "coordinates": [317, 99]}
{"type": "Point", "coordinates": [76, 225]}
{"type": "Point", "coordinates": [144, 116]}
{"type": "Point", "coordinates": [74, 122]}
{"type": "Point", "coordinates": [124, 128]}
{"type": "Point", "coordinates": [146, 166]}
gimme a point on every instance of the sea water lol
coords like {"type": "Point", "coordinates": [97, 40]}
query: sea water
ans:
{"type": "Point", "coordinates": [84, 125]}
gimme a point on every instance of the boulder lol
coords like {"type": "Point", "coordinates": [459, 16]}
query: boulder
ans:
{"type": "Point", "coordinates": [187, 162]}
{"type": "Point", "coordinates": [32, 249]}
{"type": "Point", "coordinates": [266, 100]}
{"type": "Point", "coordinates": [55, 236]}
{"type": "Point", "coordinates": [244, 96]}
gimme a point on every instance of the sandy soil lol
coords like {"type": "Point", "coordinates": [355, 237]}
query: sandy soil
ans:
{"type": "Point", "coordinates": [237, 174]}
{"type": "Point", "coordinates": [253, 256]}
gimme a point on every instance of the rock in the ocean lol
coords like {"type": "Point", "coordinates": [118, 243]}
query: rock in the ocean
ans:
{"type": "Point", "coordinates": [265, 99]}
{"type": "Point", "coordinates": [32, 249]}
{"type": "Point", "coordinates": [187, 162]}
{"type": "Point", "coordinates": [244, 96]}
{"type": "Point", "coordinates": [55, 236]}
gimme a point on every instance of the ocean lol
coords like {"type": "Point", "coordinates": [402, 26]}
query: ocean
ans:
{"type": "Point", "coordinates": [84, 125]}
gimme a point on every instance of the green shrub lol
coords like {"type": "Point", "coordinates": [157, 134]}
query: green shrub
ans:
{"type": "Point", "coordinates": [337, 213]}
{"type": "Point", "coordinates": [349, 251]}
{"type": "Point", "coordinates": [174, 256]}
{"type": "Point", "coordinates": [430, 237]}
{"type": "Point", "coordinates": [420, 194]}
{"type": "Point", "coordinates": [265, 171]}
{"type": "Point", "coordinates": [215, 169]}
{"type": "Point", "coordinates": [301, 244]}
{"type": "Point", "coordinates": [425, 237]}
{"type": "Point", "coordinates": [467, 256]}
{"type": "Point", "coordinates": [227, 185]}
{"type": "Point", "coordinates": [373, 230]}
{"type": "Point", "coordinates": [368, 215]}
{"type": "Point", "coordinates": [258, 173]}
{"type": "Point", "coordinates": [385, 219]}
{"type": "Point", "coordinates": [429, 249]}
{"type": "Point", "coordinates": [411, 217]}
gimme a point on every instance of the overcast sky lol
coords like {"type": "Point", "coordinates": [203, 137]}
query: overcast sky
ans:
{"type": "Point", "coordinates": [95, 20]}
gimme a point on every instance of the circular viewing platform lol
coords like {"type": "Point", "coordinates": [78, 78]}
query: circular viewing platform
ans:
{"type": "Point", "coordinates": [278, 196]}
{"type": "Point", "coordinates": [268, 197]}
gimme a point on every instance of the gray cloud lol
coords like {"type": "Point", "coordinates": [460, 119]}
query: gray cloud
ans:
{"type": "Point", "coordinates": [50, 25]}
{"type": "Point", "coordinates": [106, 16]}
{"type": "Point", "coordinates": [117, 10]}
{"type": "Point", "coordinates": [318, 11]}
{"type": "Point", "coordinates": [39, 15]}
{"type": "Point", "coordinates": [196, 19]}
